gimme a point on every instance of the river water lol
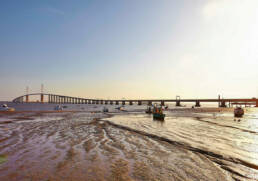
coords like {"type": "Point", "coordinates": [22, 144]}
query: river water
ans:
{"type": "Point", "coordinates": [191, 144]}
{"type": "Point", "coordinates": [231, 142]}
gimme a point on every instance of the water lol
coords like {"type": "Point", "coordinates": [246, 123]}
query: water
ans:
{"type": "Point", "coordinates": [217, 135]}
{"type": "Point", "coordinates": [191, 144]}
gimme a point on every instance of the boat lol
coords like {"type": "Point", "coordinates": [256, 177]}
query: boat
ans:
{"type": "Point", "coordinates": [158, 114]}
{"type": "Point", "coordinates": [148, 110]}
{"type": "Point", "coordinates": [58, 108]}
{"type": "Point", "coordinates": [105, 109]}
{"type": "Point", "coordinates": [6, 108]}
{"type": "Point", "coordinates": [239, 112]}
{"type": "Point", "coordinates": [121, 108]}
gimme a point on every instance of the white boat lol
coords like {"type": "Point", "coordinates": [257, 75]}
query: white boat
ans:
{"type": "Point", "coordinates": [239, 112]}
{"type": "Point", "coordinates": [6, 108]}
{"type": "Point", "coordinates": [58, 108]}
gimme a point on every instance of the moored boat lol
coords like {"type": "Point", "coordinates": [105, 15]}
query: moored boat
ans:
{"type": "Point", "coordinates": [6, 108]}
{"type": "Point", "coordinates": [58, 108]}
{"type": "Point", "coordinates": [148, 110]}
{"type": "Point", "coordinates": [158, 114]}
{"type": "Point", "coordinates": [239, 112]}
{"type": "Point", "coordinates": [121, 108]}
{"type": "Point", "coordinates": [105, 109]}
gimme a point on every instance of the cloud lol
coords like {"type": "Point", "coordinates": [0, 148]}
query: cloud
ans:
{"type": "Point", "coordinates": [228, 9]}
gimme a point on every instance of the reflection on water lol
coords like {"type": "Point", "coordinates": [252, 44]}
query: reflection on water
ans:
{"type": "Point", "coordinates": [219, 134]}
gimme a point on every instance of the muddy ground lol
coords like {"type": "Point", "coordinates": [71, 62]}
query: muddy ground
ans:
{"type": "Point", "coordinates": [74, 146]}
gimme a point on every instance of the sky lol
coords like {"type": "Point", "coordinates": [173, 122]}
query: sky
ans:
{"type": "Point", "coordinates": [129, 49]}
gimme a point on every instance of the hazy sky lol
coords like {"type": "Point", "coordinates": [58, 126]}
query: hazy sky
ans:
{"type": "Point", "coordinates": [129, 48]}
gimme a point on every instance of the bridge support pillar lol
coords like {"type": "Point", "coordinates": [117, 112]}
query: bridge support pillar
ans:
{"type": "Point", "coordinates": [178, 103]}
{"type": "Point", "coordinates": [223, 104]}
{"type": "Point", "coordinates": [162, 103]}
{"type": "Point", "coordinates": [131, 102]}
{"type": "Point", "coordinates": [149, 103]}
{"type": "Point", "coordinates": [139, 103]}
{"type": "Point", "coordinates": [197, 104]}
{"type": "Point", "coordinates": [27, 98]}
{"type": "Point", "coordinates": [41, 98]}
{"type": "Point", "coordinates": [123, 102]}
{"type": "Point", "coordinates": [117, 102]}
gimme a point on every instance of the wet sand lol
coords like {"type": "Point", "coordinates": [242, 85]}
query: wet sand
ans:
{"type": "Point", "coordinates": [95, 146]}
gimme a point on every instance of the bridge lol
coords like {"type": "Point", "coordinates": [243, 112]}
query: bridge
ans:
{"type": "Point", "coordinates": [61, 99]}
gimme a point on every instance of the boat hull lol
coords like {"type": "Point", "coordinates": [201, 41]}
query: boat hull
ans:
{"type": "Point", "coordinates": [238, 112]}
{"type": "Point", "coordinates": [159, 116]}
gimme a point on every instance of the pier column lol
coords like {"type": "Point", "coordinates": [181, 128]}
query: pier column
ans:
{"type": "Point", "coordinates": [131, 102]}
{"type": "Point", "coordinates": [123, 102]}
{"type": "Point", "coordinates": [117, 102]}
{"type": "Point", "coordinates": [139, 103]}
{"type": "Point", "coordinates": [150, 103]}
{"type": "Point", "coordinates": [27, 98]}
{"type": "Point", "coordinates": [223, 104]}
{"type": "Point", "coordinates": [42, 98]}
{"type": "Point", "coordinates": [162, 103]}
{"type": "Point", "coordinates": [178, 103]}
{"type": "Point", "coordinates": [197, 104]}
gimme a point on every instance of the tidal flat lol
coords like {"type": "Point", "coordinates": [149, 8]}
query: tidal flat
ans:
{"type": "Point", "coordinates": [199, 144]}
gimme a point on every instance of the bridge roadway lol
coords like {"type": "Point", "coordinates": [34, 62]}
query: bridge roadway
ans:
{"type": "Point", "coordinates": [61, 99]}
